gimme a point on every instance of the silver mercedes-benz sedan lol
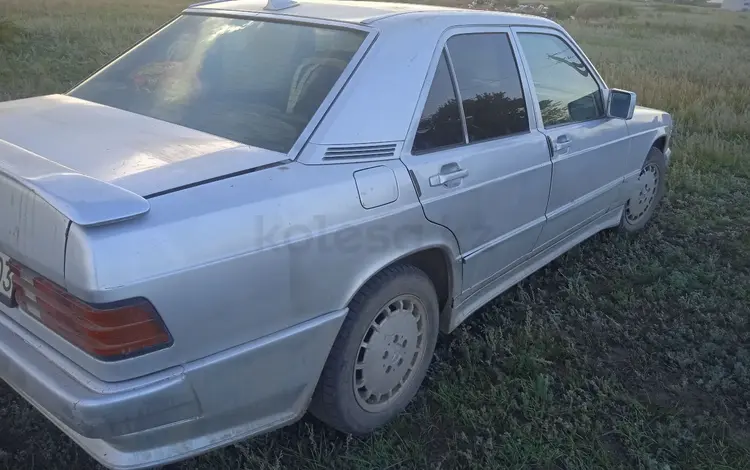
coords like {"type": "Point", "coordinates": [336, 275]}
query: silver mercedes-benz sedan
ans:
{"type": "Point", "coordinates": [265, 208]}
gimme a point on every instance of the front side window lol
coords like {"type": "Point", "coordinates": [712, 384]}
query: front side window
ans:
{"type": "Point", "coordinates": [566, 89]}
{"type": "Point", "coordinates": [489, 84]}
{"type": "Point", "coordinates": [254, 82]}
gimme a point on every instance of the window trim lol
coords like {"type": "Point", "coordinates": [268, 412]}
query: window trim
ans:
{"type": "Point", "coordinates": [564, 37]}
{"type": "Point", "coordinates": [295, 150]}
{"type": "Point", "coordinates": [456, 91]}
{"type": "Point", "coordinates": [442, 45]}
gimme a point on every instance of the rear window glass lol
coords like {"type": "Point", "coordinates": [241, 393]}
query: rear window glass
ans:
{"type": "Point", "coordinates": [255, 82]}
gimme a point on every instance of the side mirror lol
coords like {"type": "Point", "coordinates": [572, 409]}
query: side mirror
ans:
{"type": "Point", "coordinates": [620, 104]}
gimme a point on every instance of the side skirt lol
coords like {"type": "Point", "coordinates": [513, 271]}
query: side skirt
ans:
{"type": "Point", "coordinates": [504, 282]}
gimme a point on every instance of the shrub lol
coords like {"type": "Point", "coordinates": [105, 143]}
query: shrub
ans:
{"type": "Point", "coordinates": [563, 10]}
{"type": "Point", "coordinates": [591, 11]}
{"type": "Point", "coordinates": [671, 7]}
{"type": "Point", "coordinates": [489, 4]}
{"type": "Point", "coordinates": [507, 3]}
{"type": "Point", "coordinates": [8, 31]}
{"type": "Point", "coordinates": [701, 3]}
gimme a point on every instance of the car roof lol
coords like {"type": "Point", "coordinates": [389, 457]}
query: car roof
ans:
{"type": "Point", "coordinates": [362, 12]}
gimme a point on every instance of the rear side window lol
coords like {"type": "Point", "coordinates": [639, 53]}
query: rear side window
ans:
{"type": "Point", "coordinates": [440, 124]}
{"type": "Point", "coordinates": [566, 90]}
{"type": "Point", "coordinates": [254, 82]}
{"type": "Point", "coordinates": [489, 84]}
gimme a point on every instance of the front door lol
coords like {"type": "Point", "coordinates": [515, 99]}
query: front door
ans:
{"type": "Point", "coordinates": [589, 151]}
{"type": "Point", "coordinates": [481, 165]}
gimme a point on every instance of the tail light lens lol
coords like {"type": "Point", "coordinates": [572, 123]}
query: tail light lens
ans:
{"type": "Point", "coordinates": [113, 332]}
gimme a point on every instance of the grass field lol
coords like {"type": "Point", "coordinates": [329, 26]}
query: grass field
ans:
{"type": "Point", "coordinates": [624, 353]}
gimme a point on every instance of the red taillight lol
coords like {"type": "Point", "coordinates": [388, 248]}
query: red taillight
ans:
{"type": "Point", "coordinates": [110, 332]}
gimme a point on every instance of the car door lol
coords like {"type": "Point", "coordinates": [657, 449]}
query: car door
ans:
{"type": "Point", "coordinates": [481, 166]}
{"type": "Point", "coordinates": [588, 150]}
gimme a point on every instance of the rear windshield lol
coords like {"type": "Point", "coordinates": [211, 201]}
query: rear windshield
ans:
{"type": "Point", "coordinates": [255, 82]}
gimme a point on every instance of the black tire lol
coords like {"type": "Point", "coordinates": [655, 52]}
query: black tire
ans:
{"type": "Point", "coordinates": [631, 222]}
{"type": "Point", "coordinates": [334, 401]}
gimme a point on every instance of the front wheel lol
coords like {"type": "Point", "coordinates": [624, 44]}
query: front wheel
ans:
{"type": "Point", "coordinates": [381, 354]}
{"type": "Point", "coordinates": [646, 193]}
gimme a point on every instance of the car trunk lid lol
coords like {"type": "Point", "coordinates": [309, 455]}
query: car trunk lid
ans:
{"type": "Point", "coordinates": [137, 153]}
{"type": "Point", "coordinates": [66, 160]}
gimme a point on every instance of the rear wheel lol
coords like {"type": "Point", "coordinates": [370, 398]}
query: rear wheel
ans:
{"type": "Point", "coordinates": [382, 352]}
{"type": "Point", "coordinates": [646, 194]}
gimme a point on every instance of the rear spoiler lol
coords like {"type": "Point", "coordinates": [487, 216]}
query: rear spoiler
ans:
{"type": "Point", "coordinates": [81, 199]}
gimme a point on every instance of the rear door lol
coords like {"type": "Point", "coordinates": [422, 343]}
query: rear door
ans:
{"type": "Point", "coordinates": [589, 151]}
{"type": "Point", "coordinates": [482, 167]}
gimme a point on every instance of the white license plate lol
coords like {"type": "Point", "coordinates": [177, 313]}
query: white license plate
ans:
{"type": "Point", "coordinates": [6, 280]}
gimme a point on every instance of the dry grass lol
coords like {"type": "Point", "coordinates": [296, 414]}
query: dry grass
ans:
{"type": "Point", "coordinates": [671, 7]}
{"type": "Point", "coordinates": [599, 10]}
{"type": "Point", "coordinates": [625, 353]}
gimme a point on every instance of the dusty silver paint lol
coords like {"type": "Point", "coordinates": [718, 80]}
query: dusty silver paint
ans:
{"type": "Point", "coordinates": [252, 273]}
{"type": "Point", "coordinates": [376, 186]}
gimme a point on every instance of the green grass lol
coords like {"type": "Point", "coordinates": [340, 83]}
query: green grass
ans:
{"type": "Point", "coordinates": [9, 31]}
{"type": "Point", "coordinates": [599, 10]}
{"type": "Point", "coordinates": [628, 352]}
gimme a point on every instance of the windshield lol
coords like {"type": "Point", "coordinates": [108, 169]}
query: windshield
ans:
{"type": "Point", "coordinates": [255, 82]}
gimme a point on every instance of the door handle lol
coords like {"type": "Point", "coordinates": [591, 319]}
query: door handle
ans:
{"type": "Point", "coordinates": [562, 143]}
{"type": "Point", "coordinates": [448, 173]}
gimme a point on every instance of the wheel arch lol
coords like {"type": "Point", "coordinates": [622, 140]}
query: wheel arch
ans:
{"type": "Point", "coordinates": [440, 264]}
{"type": "Point", "coordinates": [660, 143]}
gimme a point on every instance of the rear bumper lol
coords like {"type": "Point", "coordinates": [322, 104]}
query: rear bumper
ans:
{"type": "Point", "coordinates": [179, 412]}
{"type": "Point", "coordinates": [96, 409]}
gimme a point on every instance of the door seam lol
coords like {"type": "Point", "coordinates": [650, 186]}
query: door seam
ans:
{"type": "Point", "coordinates": [421, 205]}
